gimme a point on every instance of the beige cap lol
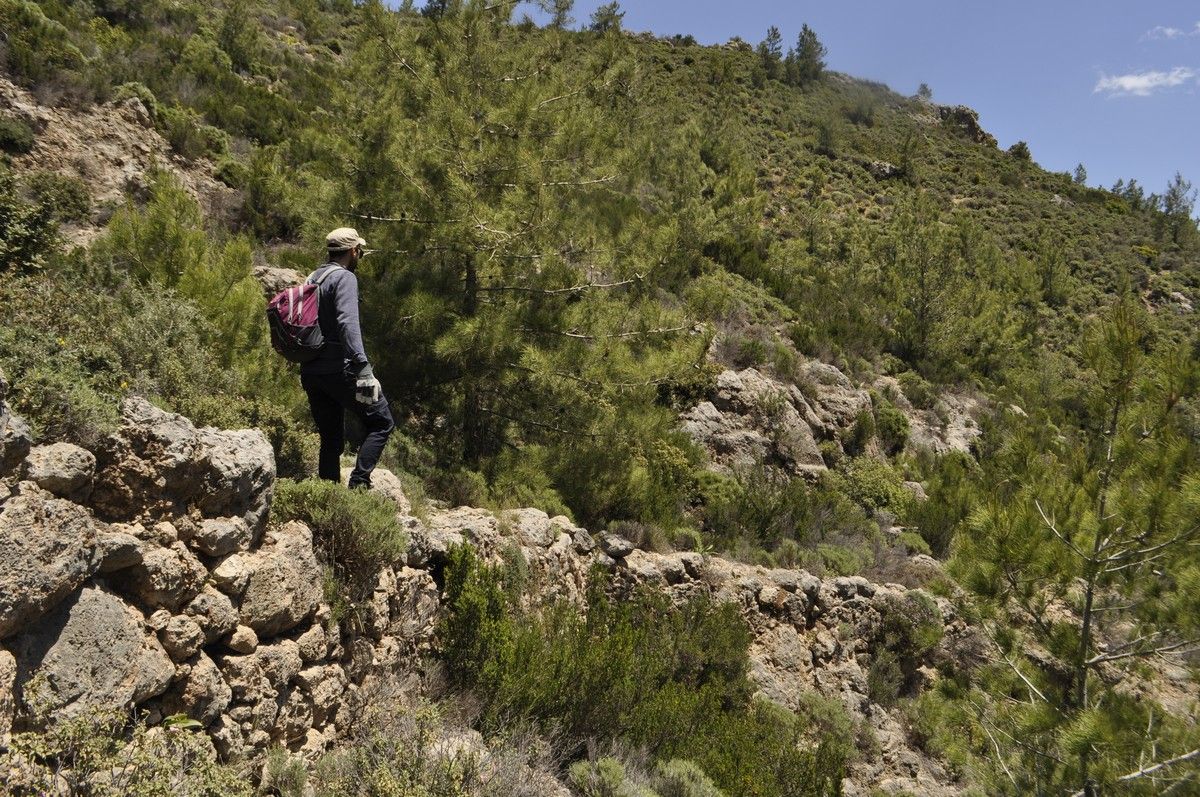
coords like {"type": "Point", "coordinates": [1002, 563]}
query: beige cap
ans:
{"type": "Point", "coordinates": [343, 238]}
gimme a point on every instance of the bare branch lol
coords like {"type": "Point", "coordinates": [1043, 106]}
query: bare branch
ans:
{"type": "Point", "coordinates": [1144, 771]}
{"type": "Point", "coordinates": [403, 219]}
{"type": "Point", "coordinates": [581, 336]}
{"type": "Point", "coordinates": [556, 291]}
{"type": "Point", "coordinates": [608, 179]}
{"type": "Point", "coordinates": [1050, 525]}
{"type": "Point", "coordinates": [1190, 644]}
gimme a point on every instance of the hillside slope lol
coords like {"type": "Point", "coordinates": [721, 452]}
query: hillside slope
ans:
{"type": "Point", "coordinates": [672, 293]}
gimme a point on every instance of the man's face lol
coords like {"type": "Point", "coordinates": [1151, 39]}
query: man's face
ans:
{"type": "Point", "coordinates": [355, 255]}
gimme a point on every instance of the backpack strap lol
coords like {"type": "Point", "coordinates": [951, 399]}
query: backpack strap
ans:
{"type": "Point", "coordinates": [329, 269]}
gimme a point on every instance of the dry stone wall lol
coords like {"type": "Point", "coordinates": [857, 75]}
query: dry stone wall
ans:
{"type": "Point", "coordinates": [146, 573]}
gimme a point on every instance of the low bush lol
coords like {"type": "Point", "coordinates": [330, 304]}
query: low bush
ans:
{"type": "Point", "coordinates": [16, 136]}
{"type": "Point", "coordinates": [355, 532]}
{"type": "Point", "coordinates": [103, 752]}
{"type": "Point", "coordinates": [670, 680]}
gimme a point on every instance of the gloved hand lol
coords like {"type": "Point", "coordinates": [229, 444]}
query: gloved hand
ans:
{"type": "Point", "coordinates": [367, 389]}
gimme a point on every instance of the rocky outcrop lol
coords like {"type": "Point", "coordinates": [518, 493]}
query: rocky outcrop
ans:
{"type": "Point", "coordinates": [750, 418]}
{"type": "Point", "coordinates": [965, 121]}
{"type": "Point", "coordinates": [112, 148]}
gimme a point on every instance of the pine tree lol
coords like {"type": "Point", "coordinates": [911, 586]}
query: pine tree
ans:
{"type": "Point", "coordinates": [508, 329]}
{"type": "Point", "coordinates": [1080, 175]}
{"type": "Point", "coordinates": [607, 18]}
{"type": "Point", "coordinates": [1085, 536]}
{"type": "Point", "coordinates": [805, 63]}
{"type": "Point", "coordinates": [770, 53]}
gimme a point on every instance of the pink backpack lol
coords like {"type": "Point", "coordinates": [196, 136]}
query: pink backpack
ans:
{"type": "Point", "coordinates": [292, 315]}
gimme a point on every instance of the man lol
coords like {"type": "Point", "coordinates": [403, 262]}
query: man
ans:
{"type": "Point", "coordinates": [340, 378]}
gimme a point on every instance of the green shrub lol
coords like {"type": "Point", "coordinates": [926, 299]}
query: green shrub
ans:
{"type": "Point", "coordinates": [66, 197]}
{"type": "Point", "coordinates": [28, 232]}
{"type": "Point", "coordinates": [873, 484]}
{"type": "Point", "coordinates": [856, 438]}
{"type": "Point", "coordinates": [354, 531]}
{"type": "Point", "coordinates": [670, 680]}
{"type": "Point", "coordinates": [679, 778]}
{"type": "Point", "coordinates": [16, 136]}
{"type": "Point", "coordinates": [892, 427]}
{"type": "Point", "coordinates": [920, 393]}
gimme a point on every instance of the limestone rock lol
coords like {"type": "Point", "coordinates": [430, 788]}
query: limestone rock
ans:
{"type": "Point", "coordinates": [92, 650]}
{"type": "Point", "coordinates": [615, 545]}
{"type": "Point", "coordinates": [48, 547]}
{"type": "Point", "coordinates": [243, 640]}
{"type": "Point", "coordinates": [752, 418]}
{"type": "Point", "coordinates": [221, 536]}
{"type": "Point", "coordinates": [274, 280]}
{"type": "Point", "coordinates": [166, 577]}
{"type": "Point", "coordinates": [63, 469]}
{"type": "Point", "coordinates": [284, 585]}
{"type": "Point", "coordinates": [213, 612]}
{"type": "Point", "coordinates": [198, 691]}
{"type": "Point", "coordinates": [387, 484]}
{"type": "Point", "coordinates": [181, 638]}
{"type": "Point", "coordinates": [117, 550]}
{"type": "Point", "coordinates": [15, 436]}
{"type": "Point", "coordinates": [231, 575]}
{"type": "Point", "coordinates": [312, 644]}
{"type": "Point", "coordinates": [159, 464]}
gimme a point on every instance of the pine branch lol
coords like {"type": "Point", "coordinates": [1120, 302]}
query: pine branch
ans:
{"type": "Point", "coordinates": [1189, 644]}
{"type": "Point", "coordinates": [1144, 771]}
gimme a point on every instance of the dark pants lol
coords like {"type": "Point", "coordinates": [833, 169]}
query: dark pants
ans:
{"type": "Point", "coordinates": [329, 397]}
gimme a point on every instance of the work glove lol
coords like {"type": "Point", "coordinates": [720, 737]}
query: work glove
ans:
{"type": "Point", "coordinates": [367, 389]}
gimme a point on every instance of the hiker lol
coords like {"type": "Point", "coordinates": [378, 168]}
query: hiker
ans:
{"type": "Point", "coordinates": [340, 378]}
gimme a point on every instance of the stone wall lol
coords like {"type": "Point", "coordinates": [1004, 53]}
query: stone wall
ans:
{"type": "Point", "coordinates": [146, 573]}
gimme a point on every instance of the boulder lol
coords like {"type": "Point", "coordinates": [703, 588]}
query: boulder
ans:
{"type": "Point", "coordinates": [181, 638]}
{"type": "Point", "coordinates": [284, 584]}
{"type": "Point", "coordinates": [117, 550]}
{"type": "Point", "coordinates": [615, 545]}
{"type": "Point", "coordinates": [93, 650]}
{"type": "Point", "coordinates": [49, 550]}
{"type": "Point", "coordinates": [243, 640]}
{"type": "Point", "coordinates": [237, 475]}
{"type": "Point", "coordinates": [63, 469]}
{"type": "Point", "coordinates": [273, 280]}
{"type": "Point", "coordinates": [231, 575]}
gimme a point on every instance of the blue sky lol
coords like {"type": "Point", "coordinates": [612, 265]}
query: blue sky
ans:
{"type": "Point", "coordinates": [1114, 85]}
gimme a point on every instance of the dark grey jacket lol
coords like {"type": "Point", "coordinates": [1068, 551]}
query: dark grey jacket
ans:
{"type": "Point", "coordinates": [338, 316]}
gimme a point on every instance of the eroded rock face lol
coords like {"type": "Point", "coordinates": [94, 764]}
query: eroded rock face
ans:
{"type": "Point", "coordinates": [751, 419]}
{"type": "Point", "coordinates": [47, 550]}
{"type": "Point", "coordinates": [91, 651]}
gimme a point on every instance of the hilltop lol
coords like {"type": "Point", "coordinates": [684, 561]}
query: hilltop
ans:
{"type": "Point", "coordinates": [703, 299]}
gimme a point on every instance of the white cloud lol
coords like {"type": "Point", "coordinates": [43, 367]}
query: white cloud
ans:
{"type": "Point", "coordinates": [1164, 32]}
{"type": "Point", "coordinates": [1143, 84]}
